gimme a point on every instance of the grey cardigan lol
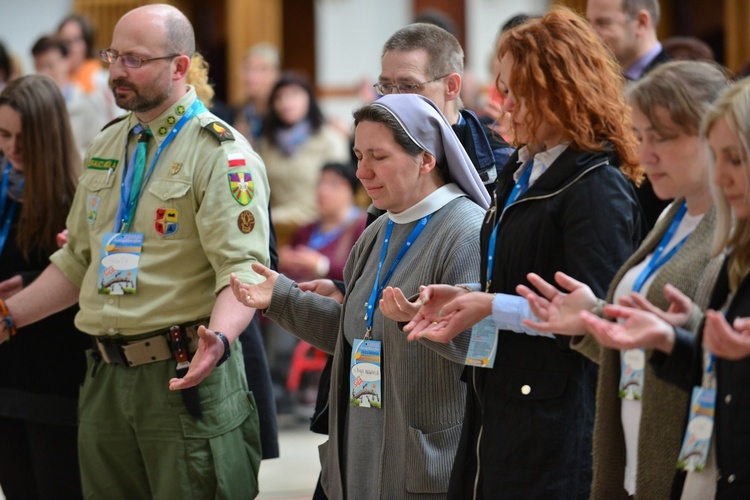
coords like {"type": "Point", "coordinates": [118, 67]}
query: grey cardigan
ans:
{"type": "Point", "coordinates": [425, 397]}
{"type": "Point", "coordinates": [664, 407]}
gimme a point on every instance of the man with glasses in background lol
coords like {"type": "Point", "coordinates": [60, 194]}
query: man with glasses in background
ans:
{"type": "Point", "coordinates": [170, 202]}
{"type": "Point", "coordinates": [628, 28]}
{"type": "Point", "coordinates": [425, 59]}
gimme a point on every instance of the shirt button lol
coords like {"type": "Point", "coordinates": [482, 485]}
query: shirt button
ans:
{"type": "Point", "coordinates": [111, 301]}
{"type": "Point", "coordinates": [111, 330]}
{"type": "Point", "coordinates": [731, 478]}
{"type": "Point", "coordinates": [525, 390]}
{"type": "Point", "coordinates": [728, 398]}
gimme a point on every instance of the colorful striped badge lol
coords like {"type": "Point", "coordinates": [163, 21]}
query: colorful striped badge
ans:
{"type": "Point", "coordinates": [242, 187]}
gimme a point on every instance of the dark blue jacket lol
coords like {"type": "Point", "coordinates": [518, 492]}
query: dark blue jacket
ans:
{"type": "Point", "coordinates": [488, 151]}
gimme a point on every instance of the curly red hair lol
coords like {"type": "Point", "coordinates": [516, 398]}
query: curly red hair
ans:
{"type": "Point", "coordinates": [567, 79]}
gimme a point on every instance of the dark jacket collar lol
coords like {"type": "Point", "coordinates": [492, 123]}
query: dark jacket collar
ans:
{"type": "Point", "coordinates": [564, 170]}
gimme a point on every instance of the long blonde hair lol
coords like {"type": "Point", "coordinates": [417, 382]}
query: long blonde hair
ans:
{"type": "Point", "coordinates": [731, 234]}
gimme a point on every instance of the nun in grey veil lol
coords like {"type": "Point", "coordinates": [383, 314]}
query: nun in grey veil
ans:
{"type": "Point", "coordinates": [396, 407]}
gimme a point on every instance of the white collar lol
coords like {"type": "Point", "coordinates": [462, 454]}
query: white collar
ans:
{"type": "Point", "coordinates": [429, 204]}
{"type": "Point", "coordinates": [542, 161]}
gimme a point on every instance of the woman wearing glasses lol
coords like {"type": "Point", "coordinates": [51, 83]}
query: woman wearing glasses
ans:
{"type": "Point", "coordinates": [395, 408]}
{"type": "Point", "coordinates": [40, 369]}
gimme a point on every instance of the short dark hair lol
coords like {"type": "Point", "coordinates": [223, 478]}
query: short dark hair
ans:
{"type": "Point", "coordinates": [346, 171]}
{"type": "Point", "coordinates": [87, 31]}
{"type": "Point", "coordinates": [5, 66]}
{"type": "Point", "coordinates": [444, 53]}
{"type": "Point", "coordinates": [49, 43]}
{"type": "Point", "coordinates": [314, 114]}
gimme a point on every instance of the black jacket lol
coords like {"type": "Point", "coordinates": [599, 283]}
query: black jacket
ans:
{"type": "Point", "coordinates": [684, 367]}
{"type": "Point", "coordinates": [533, 412]}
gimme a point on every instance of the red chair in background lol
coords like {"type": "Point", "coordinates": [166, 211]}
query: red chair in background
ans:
{"type": "Point", "coordinates": [305, 358]}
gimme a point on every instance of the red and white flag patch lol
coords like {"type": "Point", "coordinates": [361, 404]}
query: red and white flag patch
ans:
{"type": "Point", "coordinates": [236, 160]}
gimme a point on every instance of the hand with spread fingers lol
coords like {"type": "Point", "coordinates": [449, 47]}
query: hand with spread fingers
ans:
{"type": "Point", "coordinates": [432, 298]}
{"type": "Point", "coordinates": [394, 305]}
{"type": "Point", "coordinates": [678, 313]}
{"type": "Point", "coordinates": [255, 296]}
{"type": "Point", "coordinates": [558, 311]}
{"type": "Point", "coordinates": [324, 287]}
{"type": "Point", "coordinates": [447, 311]}
{"type": "Point", "coordinates": [640, 329]}
{"type": "Point", "coordinates": [731, 342]}
{"type": "Point", "coordinates": [210, 350]}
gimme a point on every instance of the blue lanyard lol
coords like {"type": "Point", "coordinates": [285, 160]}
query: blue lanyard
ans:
{"type": "Point", "coordinates": [6, 203]}
{"type": "Point", "coordinates": [659, 259]}
{"type": "Point", "coordinates": [377, 287]}
{"type": "Point", "coordinates": [319, 239]}
{"type": "Point", "coordinates": [126, 211]}
{"type": "Point", "coordinates": [519, 189]}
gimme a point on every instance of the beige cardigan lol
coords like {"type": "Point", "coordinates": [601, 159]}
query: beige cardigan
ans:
{"type": "Point", "coordinates": [692, 271]}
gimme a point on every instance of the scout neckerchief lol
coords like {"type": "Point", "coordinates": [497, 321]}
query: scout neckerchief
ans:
{"type": "Point", "coordinates": [7, 205]}
{"type": "Point", "coordinates": [633, 361]}
{"type": "Point", "coordinates": [483, 343]}
{"type": "Point", "coordinates": [129, 192]}
{"type": "Point", "coordinates": [121, 250]}
{"type": "Point", "coordinates": [365, 378]}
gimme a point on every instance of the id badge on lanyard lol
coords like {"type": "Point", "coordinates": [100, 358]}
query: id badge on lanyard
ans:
{"type": "Point", "coordinates": [364, 376]}
{"type": "Point", "coordinates": [700, 428]}
{"type": "Point", "coordinates": [633, 361]}
{"type": "Point", "coordinates": [118, 267]}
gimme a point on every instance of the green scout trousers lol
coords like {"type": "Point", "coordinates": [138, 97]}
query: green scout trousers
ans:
{"type": "Point", "coordinates": [136, 440]}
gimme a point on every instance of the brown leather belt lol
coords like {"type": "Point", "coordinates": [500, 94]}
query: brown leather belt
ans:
{"type": "Point", "coordinates": [148, 348]}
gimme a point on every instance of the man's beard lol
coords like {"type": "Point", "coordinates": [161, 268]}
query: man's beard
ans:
{"type": "Point", "coordinates": [140, 100]}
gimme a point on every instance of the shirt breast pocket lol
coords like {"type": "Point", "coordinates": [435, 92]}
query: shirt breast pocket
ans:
{"type": "Point", "coordinates": [172, 209]}
{"type": "Point", "coordinates": [98, 188]}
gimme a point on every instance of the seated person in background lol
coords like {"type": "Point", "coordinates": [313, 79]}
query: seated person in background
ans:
{"type": "Point", "coordinates": [320, 249]}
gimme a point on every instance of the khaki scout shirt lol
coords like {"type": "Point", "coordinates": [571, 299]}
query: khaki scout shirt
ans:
{"type": "Point", "coordinates": [186, 256]}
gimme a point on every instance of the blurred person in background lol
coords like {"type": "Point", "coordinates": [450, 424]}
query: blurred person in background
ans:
{"type": "Point", "coordinates": [41, 369]}
{"type": "Point", "coordinates": [260, 71]}
{"type": "Point", "coordinates": [51, 59]}
{"type": "Point", "coordinates": [297, 141]}
{"type": "Point", "coordinates": [77, 33]}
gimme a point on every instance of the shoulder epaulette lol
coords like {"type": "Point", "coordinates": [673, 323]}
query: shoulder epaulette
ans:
{"type": "Point", "coordinates": [119, 118]}
{"type": "Point", "coordinates": [218, 130]}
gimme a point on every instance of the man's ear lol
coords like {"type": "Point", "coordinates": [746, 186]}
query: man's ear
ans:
{"type": "Point", "coordinates": [182, 65]}
{"type": "Point", "coordinates": [453, 83]}
{"type": "Point", "coordinates": [643, 21]}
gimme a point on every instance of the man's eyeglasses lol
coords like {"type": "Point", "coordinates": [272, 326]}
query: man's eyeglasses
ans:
{"type": "Point", "coordinates": [402, 88]}
{"type": "Point", "coordinates": [110, 56]}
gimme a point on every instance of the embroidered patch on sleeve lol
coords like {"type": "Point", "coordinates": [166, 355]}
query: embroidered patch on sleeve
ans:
{"type": "Point", "coordinates": [242, 187]}
{"type": "Point", "coordinates": [236, 160]}
{"type": "Point", "coordinates": [246, 221]}
{"type": "Point", "coordinates": [219, 131]}
{"type": "Point", "coordinates": [92, 208]}
{"type": "Point", "coordinates": [103, 163]}
{"type": "Point", "coordinates": [165, 222]}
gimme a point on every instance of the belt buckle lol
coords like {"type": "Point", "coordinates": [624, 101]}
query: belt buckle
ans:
{"type": "Point", "coordinates": [113, 352]}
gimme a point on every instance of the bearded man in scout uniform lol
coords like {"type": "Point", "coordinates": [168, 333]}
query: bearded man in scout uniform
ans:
{"type": "Point", "coordinates": [171, 201]}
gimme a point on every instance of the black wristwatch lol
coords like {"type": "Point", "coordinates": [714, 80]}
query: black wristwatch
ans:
{"type": "Point", "coordinates": [227, 352]}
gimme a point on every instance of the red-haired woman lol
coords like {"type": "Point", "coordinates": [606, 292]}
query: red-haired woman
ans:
{"type": "Point", "coordinates": [565, 200]}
